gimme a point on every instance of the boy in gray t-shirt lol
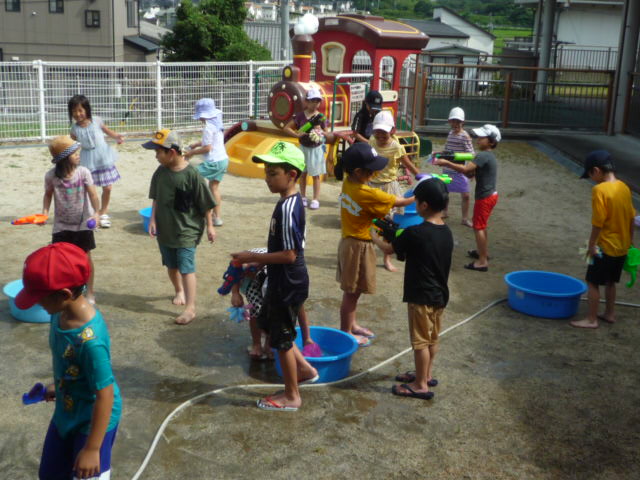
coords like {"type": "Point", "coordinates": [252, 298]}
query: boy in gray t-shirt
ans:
{"type": "Point", "coordinates": [485, 168]}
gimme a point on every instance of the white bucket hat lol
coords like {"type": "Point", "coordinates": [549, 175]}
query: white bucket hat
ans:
{"type": "Point", "coordinates": [488, 130]}
{"type": "Point", "coordinates": [206, 108]}
{"type": "Point", "coordinates": [314, 94]}
{"type": "Point", "coordinates": [456, 113]}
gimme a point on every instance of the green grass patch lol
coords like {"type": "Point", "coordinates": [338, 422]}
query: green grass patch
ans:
{"type": "Point", "coordinates": [503, 34]}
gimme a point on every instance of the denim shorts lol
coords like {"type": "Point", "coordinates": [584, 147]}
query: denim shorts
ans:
{"type": "Point", "coordinates": [184, 259]}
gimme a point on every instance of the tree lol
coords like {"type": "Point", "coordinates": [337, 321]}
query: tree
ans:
{"type": "Point", "coordinates": [211, 31]}
{"type": "Point", "coordinates": [423, 9]}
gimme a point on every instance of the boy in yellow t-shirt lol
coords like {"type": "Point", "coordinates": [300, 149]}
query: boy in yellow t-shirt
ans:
{"type": "Point", "coordinates": [611, 236]}
{"type": "Point", "coordinates": [359, 205]}
{"type": "Point", "coordinates": [388, 146]}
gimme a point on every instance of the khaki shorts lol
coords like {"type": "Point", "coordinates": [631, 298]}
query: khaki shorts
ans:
{"type": "Point", "coordinates": [392, 188]}
{"type": "Point", "coordinates": [424, 325]}
{"type": "Point", "coordinates": [356, 266]}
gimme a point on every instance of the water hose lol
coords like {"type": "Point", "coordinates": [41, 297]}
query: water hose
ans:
{"type": "Point", "coordinates": [197, 398]}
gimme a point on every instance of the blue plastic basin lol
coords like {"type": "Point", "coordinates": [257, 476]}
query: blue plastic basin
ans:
{"type": "Point", "coordinates": [145, 213]}
{"type": "Point", "coordinates": [409, 218]}
{"type": "Point", "coordinates": [35, 314]}
{"type": "Point", "coordinates": [544, 294]}
{"type": "Point", "coordinates": [337, 346]}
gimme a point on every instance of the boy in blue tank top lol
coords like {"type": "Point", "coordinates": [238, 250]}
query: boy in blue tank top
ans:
{"type": "Point", "coordinates": [87, 398]}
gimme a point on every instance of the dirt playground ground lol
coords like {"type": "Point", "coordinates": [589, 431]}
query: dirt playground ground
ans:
{"type": "Point", "coordinates": [519, 397]}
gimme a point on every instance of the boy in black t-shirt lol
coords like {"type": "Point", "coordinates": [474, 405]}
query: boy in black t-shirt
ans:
{"type": "Point", "coordinates": [287, 278]}
{"type": "Point", "coordinates": [427, 249]}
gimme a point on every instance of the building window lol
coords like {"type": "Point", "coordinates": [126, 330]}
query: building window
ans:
{"type": "Point", "coordinates": [132, 13]}
{"type": "Point", "coordinates": [12, 5]}
{"type": "Point", "coordinates": [92, 18]}
{"type": "Point", "coordinates": [56, 6]}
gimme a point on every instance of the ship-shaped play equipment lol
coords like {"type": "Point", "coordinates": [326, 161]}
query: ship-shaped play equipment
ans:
{"type": "Point", "coordinates": [336, 43]}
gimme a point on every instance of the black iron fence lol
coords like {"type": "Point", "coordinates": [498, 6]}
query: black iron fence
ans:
{"type": "Point", "coordinates": [513, 97]}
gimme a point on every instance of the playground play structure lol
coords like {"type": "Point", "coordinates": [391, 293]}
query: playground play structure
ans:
{"type": "Point", "coordinates": [336, 43]}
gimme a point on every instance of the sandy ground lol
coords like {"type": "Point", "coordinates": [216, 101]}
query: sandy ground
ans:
{"type": "Point", "coordinates": [519, 397]}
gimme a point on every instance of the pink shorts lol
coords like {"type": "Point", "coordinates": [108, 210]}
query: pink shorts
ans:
{"type": "Point", "coordinates": [482, 209]}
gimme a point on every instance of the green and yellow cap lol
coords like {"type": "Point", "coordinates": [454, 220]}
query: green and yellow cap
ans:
{"type": "Point", "coordinates": [283, 152]}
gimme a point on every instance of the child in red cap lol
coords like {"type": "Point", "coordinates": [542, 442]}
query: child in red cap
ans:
{"type": "Point", "coordinates": [88, 403]}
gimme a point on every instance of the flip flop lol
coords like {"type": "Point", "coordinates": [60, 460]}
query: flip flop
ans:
{"type": "Point", "coordinates": [365, 343]}
{"type": "Point", "coordinates": [410, 376]}
{"type": "Point", "coordinates": [411, 392]}
{"type": "Point", "coordinates": [471, 266]}
{"type": "Point", "coordinates": [474, 254]}
{"type": "Point", "coordinates": [267, 404]}
{"type": "Point", "coordinates": [310, 380]}
{"type": "Point", "coordinates": [364, 332]}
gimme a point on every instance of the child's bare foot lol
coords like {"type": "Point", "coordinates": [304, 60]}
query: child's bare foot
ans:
{"type": "Point", "coordinates": [389, 266]}
{"type": "Point", "coordinates": [606, 319]}
{"type": "Point", "coordinates": [308, 376]}
{"type": "Point", "coordinates": [186, 317]}
{"type": "Point", "coordinates": [179, 299]}
{"type": "Point", "coordinates": [584, 323]}
{"type": "Point", "coordinates": [255, 353]}
{"type": "Point", "coordinates": [362, 331]}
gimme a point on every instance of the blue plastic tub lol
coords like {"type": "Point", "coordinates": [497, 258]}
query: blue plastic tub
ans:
{"type": "Point", "coordinates": [409, 218]}
{"type": "Point", "coordinates": [337, 347]}
{"type": "Point", "coordinates": [145, 213]}
{"type": "Point", "coordinates": [35, 314]}
{"type": "Point", "coordinates": [544, 294]}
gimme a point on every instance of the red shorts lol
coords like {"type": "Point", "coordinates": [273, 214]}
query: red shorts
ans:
{"type": "Point", "coordinates": [482, 209]}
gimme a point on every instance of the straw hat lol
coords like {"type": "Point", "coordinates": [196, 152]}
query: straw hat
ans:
{"type": "Point", "coordinates": [61, 147]}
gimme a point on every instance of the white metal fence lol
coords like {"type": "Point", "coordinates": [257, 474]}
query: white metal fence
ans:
{"type": "Point", "coordinates": [134, 98]}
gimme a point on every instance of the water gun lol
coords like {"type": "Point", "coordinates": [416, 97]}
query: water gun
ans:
{"type": "Point", "coordinates": [388, 228]}
{"type": "Point", "coordinates": [314, 121]}
{"type": "Point", "coordinates": [456, 157]}
{"type": "Point", "coordinates": [36, 219]}
{"type": "Point", "coordinates": [36, 394]}
{"type": "Point", "coordinates": [443, 177]}
{"type": "Point", "coordinates": [239, 314]}
{"type": "Point", "coordinates": [232, 276]}
{"type": "Point", "coordinates": [631, 265]}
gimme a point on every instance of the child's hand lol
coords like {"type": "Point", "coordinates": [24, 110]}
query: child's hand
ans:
{"type": "Point", "coordinates": [50, 393]}
{"type": "Point", "coordinates": [119, 139]}
{"type": "Point", "coordinates": [211, 233]}
{"type": "Point", "coordinates": [152, 228]}
{"type": "Point", "coordinates": [236, 299]}
{"type": "Point", "coordinates": [87, 463]}
{"type": "Point", "coordinates": [243, 257]}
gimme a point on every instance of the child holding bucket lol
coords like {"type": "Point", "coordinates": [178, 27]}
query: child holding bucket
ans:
{"type": "Point", "coordinates": [387, 145]}
{"type": "Point", "coordinates": [216, 160]}
{"type": "Point", "coordinates": [611, 236]}
{"type": "Point", "coordinates": [70, 186]}
{"type": "Point", "coordinates": [427, 249]}
{"type": "Point", "coordinates": [458, 140]}
{"type": "Point", "coordinates": [287, 277]}
{"type": "Point", "coordinates": [83, 428]}
{"type": "Point", "coordinates": [360, 204]}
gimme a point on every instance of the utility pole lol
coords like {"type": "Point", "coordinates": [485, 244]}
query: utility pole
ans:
{"type": "Point", "coordinates": [284, 29]}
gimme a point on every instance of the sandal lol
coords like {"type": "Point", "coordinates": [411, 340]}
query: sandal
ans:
{"type": "Point", "coordinates": [471, 266]}
{"type": "Point", "coordinates": [410, 376]}
{"type": "Point", "coordinates": [105, 221]}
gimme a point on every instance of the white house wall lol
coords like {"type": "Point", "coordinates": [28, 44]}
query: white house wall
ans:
{"type": "Point", "coordinates": [478, 39]}
{"type": "Point", "coordinates": [593, 26]}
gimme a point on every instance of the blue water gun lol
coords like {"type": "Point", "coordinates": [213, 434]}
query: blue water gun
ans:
{"type": "Point", "coordinates": [37, 394]}
{"type": "Point", "coordinates": [232, 276]}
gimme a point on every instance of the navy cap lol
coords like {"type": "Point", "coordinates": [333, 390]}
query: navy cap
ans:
{"type": "Point", "coordinates": [434, 192]}
{"type": "Point", "coordinates": [597, 158]}
{"type": "Point", "coordinates": [363, 155]}
{"type": "Point", "coordinates": [374, 100]}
